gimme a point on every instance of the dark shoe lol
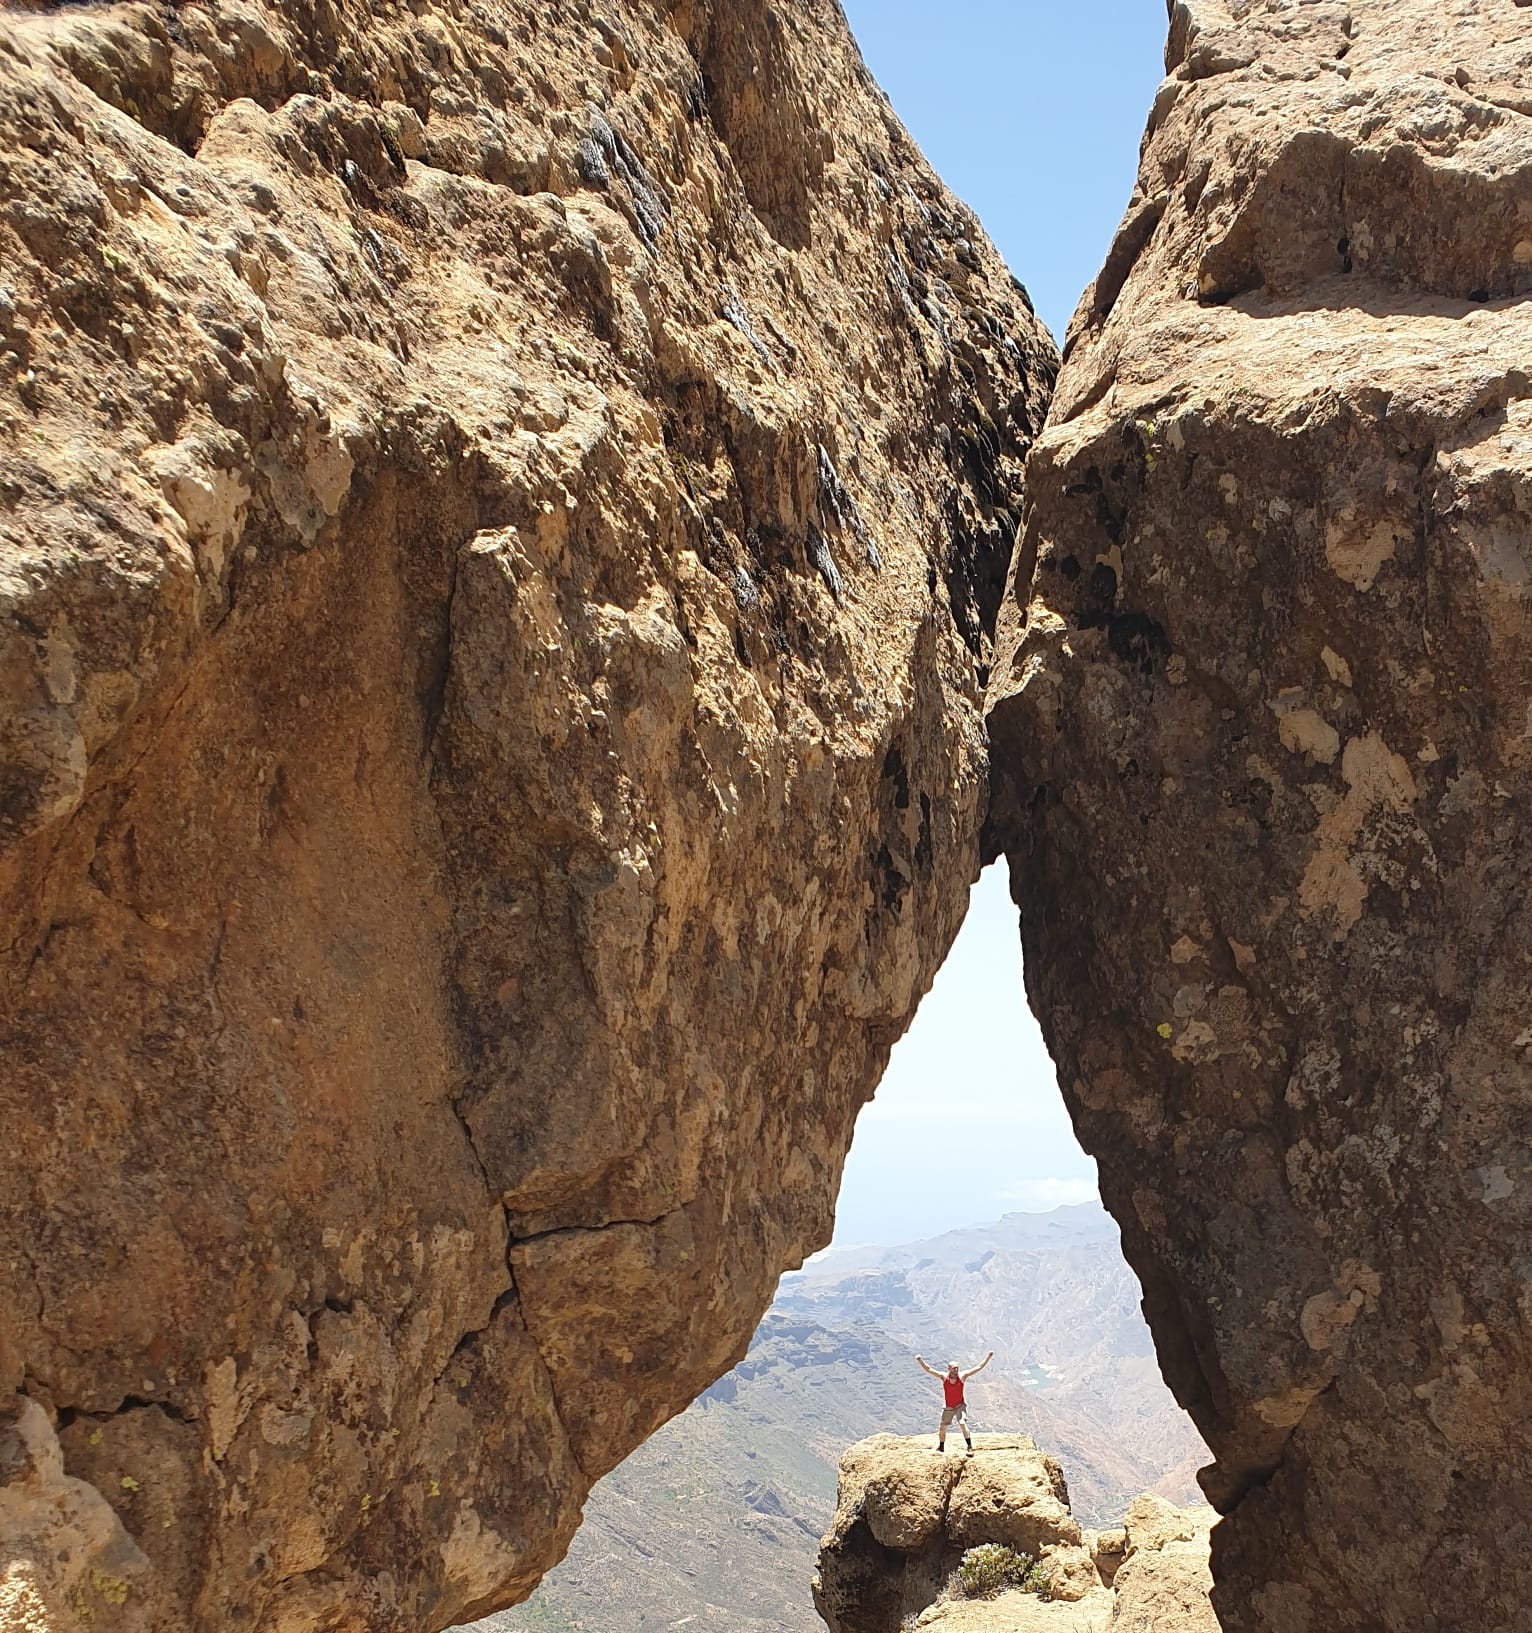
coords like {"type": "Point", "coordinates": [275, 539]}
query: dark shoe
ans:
{"type": "Point", "coordinates": [970, 1448]}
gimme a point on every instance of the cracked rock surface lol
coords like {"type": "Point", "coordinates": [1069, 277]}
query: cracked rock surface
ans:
{"type": "Point", "coordinates": [1260, 722]}
{"type": "Point", "coordinates": [504, 508]}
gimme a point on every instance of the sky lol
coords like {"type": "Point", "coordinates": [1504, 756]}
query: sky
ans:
{"type": "Point", "coordinates": [1031, 111]}
{"type": "Point", "coordinates": [968, 1123]}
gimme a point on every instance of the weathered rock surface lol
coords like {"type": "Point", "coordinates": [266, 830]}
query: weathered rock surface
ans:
{"type": "Point", "coordinates": [1162, 1579]}
{"type": "Point", "coordinates": [503, 512]}
{"type": "Point", "coordinates": [1261, 729]}
{"type": "Point", "coordinates": [907, 1514]}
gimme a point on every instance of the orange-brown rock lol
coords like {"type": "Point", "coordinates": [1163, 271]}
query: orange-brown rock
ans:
{"type": "Point", "coordinates": [1261, 731]}
{"type": "Point", "coordinates": [1162, 1584]}
{"type": "Point", "coordinates": [504, 507]}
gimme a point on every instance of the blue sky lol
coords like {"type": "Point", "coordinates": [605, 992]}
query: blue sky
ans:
{"type": "Point", "coordinates": [1031, 110]}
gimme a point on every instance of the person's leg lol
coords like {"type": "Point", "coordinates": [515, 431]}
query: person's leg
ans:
{"type": "Point", "coordinates": [963, 1420]}
{"type": "Point", "coordinates": [941, 1430]}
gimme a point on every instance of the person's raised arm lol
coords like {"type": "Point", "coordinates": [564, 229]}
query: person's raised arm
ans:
{"type": "Point", "coordinates": [981, 1366]}
{"type": "Point", "coordinates": [920, 1361]}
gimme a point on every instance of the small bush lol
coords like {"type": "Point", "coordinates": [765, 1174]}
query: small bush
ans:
{"type": "Point", "coordinates": [991, 1568]}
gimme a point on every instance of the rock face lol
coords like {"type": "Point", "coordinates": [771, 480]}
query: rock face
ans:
{"type": "Point", "coordinates": [907, 1514]}
{"type": "Point", "coordinates": [504, 509]}
{"type": "Point", "coordinates": [1161, 1578]}
{"type": "Point", "coordinates": [1261, 732]}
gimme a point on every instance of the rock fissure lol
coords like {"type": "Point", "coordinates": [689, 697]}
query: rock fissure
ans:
{"type": "Point", "coordinates": [568, 1232]}
{"type": "Point", "coordinates": [67, 1416]}
{"type": "Point", "coordinates": [552, 1389]}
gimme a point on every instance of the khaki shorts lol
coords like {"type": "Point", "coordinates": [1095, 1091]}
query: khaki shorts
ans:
{"type": "Point", "coordinates": [951, 1412]}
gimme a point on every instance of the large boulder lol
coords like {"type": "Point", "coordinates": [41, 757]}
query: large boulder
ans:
{"type": "Point", "coordinates": [906, 1514]}
{"type": "Point", "coordinates": [504, 509]}
{"type": "Point", "coordinates": [902, 1498]}
{"type": "Point", "coordinates": [1019, 1502]}
{"type": "Point", "coordinates": [1260, 723]}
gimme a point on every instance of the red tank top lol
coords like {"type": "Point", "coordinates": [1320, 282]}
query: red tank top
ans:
{"type": "Point", "coordinates": [953, 1389]}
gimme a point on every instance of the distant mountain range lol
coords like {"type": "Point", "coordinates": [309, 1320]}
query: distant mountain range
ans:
{"type": "Point", "coordinates": [715, 1521]}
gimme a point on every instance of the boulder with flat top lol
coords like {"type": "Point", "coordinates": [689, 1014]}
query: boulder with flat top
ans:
{"type": "Point", "coordinates": [908, 1513]}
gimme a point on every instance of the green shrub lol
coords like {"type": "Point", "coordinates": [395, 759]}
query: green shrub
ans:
{"type": "Point", "coordinates": [991, 1568]}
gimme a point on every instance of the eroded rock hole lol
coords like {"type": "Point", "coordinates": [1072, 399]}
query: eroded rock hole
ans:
{"type": "Point", "coordinates": [967, 1222]}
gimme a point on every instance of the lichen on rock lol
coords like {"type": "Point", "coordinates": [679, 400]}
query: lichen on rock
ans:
{"type": "Point", "coordinates": [464, 855]}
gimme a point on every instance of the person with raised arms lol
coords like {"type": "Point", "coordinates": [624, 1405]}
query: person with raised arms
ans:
{"type": "Point", "coordinates": [955, 1408]}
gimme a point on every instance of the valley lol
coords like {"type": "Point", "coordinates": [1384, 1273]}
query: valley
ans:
{"type": "Point", "coordinates": [715, 1521]}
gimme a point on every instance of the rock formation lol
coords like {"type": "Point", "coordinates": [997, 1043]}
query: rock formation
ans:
{"type": "Point", "coordinates": [504, 510]}
{"type": "Point", "coordinates": [1262, 740]}
{"type": "Point", "coordinates": [908, 1513]}
{"type": "Point", "coordinates": [1160, 1577]}
{"type": "Point", "coordinates": [504, 517]}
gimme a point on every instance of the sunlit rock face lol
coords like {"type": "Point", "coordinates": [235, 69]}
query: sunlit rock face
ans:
{"type": "Point", "coordinates": [1261, 730]}
{"type": "Point", "coordinates": [908, 1516]}
{"type": "Point", "coordinates": [504, 512]}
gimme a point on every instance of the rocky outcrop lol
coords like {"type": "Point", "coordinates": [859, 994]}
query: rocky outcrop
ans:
{"type": "Point", "coordinates": [1260, 726]}
{"type": "Point", "coordinates": [908, 1513]}
{"type": "Point", "coordinates": [504, 509]}
{"type": "Point", "coordinates": [1161, 1577]}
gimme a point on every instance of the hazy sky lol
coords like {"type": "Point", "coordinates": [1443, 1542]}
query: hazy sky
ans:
{"type": "Point", "coordinates": [1031, 110]}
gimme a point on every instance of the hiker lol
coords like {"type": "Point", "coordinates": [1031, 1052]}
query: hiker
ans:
{"type": "Point", "coordinates": [952, 1392]}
